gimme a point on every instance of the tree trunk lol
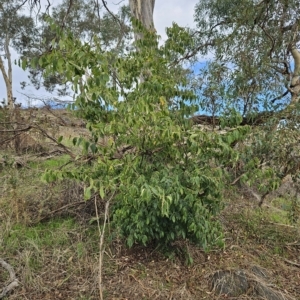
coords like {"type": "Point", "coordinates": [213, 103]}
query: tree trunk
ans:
{"type": "Point", "coordinates": [295, 82]}
{"type": "Point", "coordinates": [7, 75]}
{"type": "Point", "coordinates": [143, 11]}
{"type": "Point", "coordinates": [8, 83]}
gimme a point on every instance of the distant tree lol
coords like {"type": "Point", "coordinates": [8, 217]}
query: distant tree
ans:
{"type": "Point", "coordinates": [260, 41]}
{"type": "Point", "coordinates": [87, 22]}
{"type": "Point", "coordinates": [17, 31]}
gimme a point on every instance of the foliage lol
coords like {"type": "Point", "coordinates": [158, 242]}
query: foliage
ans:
{"type": "Point", "coordinates": [17, 31]}
{"type": "Point", "coordinates": [255, 69]}
{"type": "Point", "coordinates": [258, 40]}
{"type": "Point", "coordinates": [167, 175]}
{"type": "Point", "coordinates": [86, 22]}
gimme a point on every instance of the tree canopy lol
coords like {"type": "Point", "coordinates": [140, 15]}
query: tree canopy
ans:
{"type": "Point", "coordinates": [258, 42]}
{"type": "Point", "coordinates": [17, 31]}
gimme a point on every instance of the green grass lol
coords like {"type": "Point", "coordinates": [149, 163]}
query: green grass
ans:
{"type": "Point", "coordinates": [51, 163]}
{"type": "Point", "coordinates": [266, 228]}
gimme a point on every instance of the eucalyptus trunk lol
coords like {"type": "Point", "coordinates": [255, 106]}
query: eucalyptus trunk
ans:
{"type": "Point", "coordinates": [7, 74]}
{"type": "Point", "coordinates": [142, 10]}
{"type": "Point", "coordinates": [295, 82]}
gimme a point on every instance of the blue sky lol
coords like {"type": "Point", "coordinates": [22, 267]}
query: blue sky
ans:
{"type": "Point", "coordinates": [165, 12]}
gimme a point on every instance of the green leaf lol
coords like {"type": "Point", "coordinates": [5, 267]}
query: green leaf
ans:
{"type": "Point", "coordinates": [94, 148]}
{"type": "Point", "coordinates": [24, 63]}
{"type": "Point", "coordinates": [101, 192]}
{"type": "Point", "coordinates": [87, 193]}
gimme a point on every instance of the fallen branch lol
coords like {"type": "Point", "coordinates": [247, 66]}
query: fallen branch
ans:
{"type": "Point", "coordinates": [280, 224]}
{"type": "Point", "coordinates": [292, 263]}
{"type": "Point", "coordinates": [60, 209]}
{"type": "Point", "coordinates": [67, 150]}
{"type": "Point", "coordinates": [17, 130]}
{"type": "Point", "coordinates": [14, 281]}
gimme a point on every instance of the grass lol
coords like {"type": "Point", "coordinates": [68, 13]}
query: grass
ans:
{"type": "Point", "coordinates": [55, 255]}
{"type": "Point", "coordinates": [52, 163]}
{"type": "Point", "coordinates": [58, 258]}
{"type": "Point", "coordinates": [53, 250]}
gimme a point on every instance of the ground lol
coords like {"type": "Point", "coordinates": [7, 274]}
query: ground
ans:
{"type": "Point", "coordinates": [49, 235]}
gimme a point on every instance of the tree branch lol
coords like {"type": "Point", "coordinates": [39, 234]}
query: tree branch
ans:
{"type": "Point", "coordinates": [192, 53]}
{"type": "Point", "coordinates": [17, 129]}
{"type": "Point", "coordinates": [67, 13]}
{"type": "Point", "coordinates": [54, 140]}
{"type": "Point", "coordinates": [280, 97]}
{"type": "Point", "coordinates": [296, 57]}
{"type": "Point", "coordinates": [105, 5]}
{"type": "Point", "coordinates": [14, 281]}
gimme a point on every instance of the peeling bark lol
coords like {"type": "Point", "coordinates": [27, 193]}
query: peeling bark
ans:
{"type": "Point", "coordinates": [142, 10]}
{"type": "Point", "coordinates": [7, 75]}
{"type": "Point", "coordinates": [295, 82]}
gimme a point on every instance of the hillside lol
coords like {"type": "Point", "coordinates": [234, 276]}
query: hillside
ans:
{"type": "Point", "coordinates": [50, 237]}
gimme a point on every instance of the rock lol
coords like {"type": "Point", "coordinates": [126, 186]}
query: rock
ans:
{"type": "Point", "coordinates": [230, 283]}
{"type": "Point", "coordinates": [268, 293]}
{"type": "Point", "coordinates": [260, 272]}
{"type": "Point", "coordinates": [254, 283]}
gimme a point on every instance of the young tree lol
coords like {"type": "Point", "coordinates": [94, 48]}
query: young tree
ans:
{"type": "Point", "coordinates": [17, 31]}
{"type": "Point", "coordinates": [166, 176]}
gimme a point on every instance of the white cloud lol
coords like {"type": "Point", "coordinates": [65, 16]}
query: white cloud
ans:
{"type": "Point", "coordinates": [165, 13]}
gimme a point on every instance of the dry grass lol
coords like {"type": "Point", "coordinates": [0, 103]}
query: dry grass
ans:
{"type": "Point", "coordinates": [50, 237]}
{"type": "Point", "coordinates": [58, 258]}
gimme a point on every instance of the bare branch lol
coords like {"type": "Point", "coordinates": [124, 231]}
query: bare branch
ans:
{"type": "Point", "coordinates": [280, 97]}
{"type": "Point", "coordinates": [67, 13]}
{"type": "Point", "coordinates": [14, 281]}
{"type": "Point", "coordinates": [17, 129]}
{"type": "Point", "coordinates": [67, 150]}
{"type": "Point", "coordinates": [105, 5]}
{"type": "Point", "coordinates": [101, 240]}
{"type": "Point", "coordinates": [193, 53]}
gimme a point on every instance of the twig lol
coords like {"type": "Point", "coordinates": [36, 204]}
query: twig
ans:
{"type": "Point", "coordinates": [280, 224]}
{"type": "Point", "coordinates": [60, 209]}
{"type": "Point", "coordinates": [15, 130]}
{"type": "Point", "coordinates": [14, 281]}
{"type": "Point", "coordinates": [54, 140]}
{"type": "Point", "coordinates": [293, 244]}
{"type": "Point", "coordinates": [101, 242]}
{"type": "Point", "coordinates": [105, 5]}
{"type": "Point", "coordinates": [292, 263]}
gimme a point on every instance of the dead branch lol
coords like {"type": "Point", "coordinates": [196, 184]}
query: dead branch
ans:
{"type": "Point", "coordinates": [56, 141]}
{"type": "Point", "coordinates": [12, 276]}
{"type": "Point", "coordinates": [59, 210]}
{"type": "Point", "coordinates": [101, 240]}
{"type": "Point", "coordinates": [16, 130]}
{"type": "Point", "coordinates": [292, 263]}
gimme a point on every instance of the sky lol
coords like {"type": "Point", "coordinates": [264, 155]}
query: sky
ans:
{"type": "Point", "coordinates": [165, 13]}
